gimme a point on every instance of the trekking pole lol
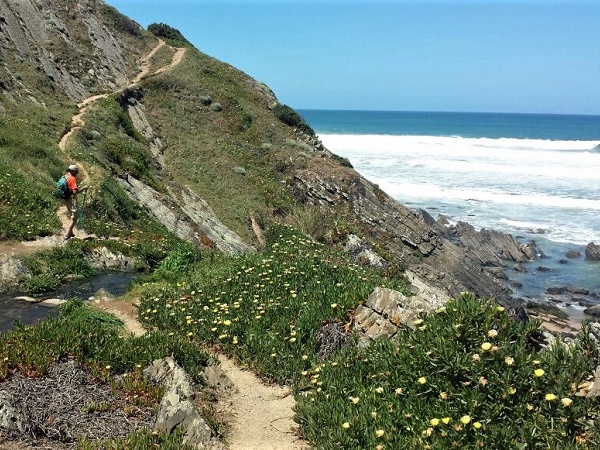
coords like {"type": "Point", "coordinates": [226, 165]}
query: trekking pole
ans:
{"type": "Point", "coordinates": [81, 209]}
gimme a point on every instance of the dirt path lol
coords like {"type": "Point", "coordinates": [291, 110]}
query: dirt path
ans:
{"type": "Point", "coordinates": [260, 415]}
{"type": "Point", "coordinates": [77, 120]}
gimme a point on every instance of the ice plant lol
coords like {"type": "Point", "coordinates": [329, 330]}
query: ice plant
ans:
{"type": "Point", "coordinates": [550, 397]}
{"type": "Point", "coordinates": [465, 419]}
{"type": "Point", "coordinates": [539, 373]}
{"type": "Point", "coordinates": [486, 346]}
{"type": "Point", "coordinates": [422, 380]}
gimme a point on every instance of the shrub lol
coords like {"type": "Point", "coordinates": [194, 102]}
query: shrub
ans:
{"type": "Point", "coordinates": [169, 33]}
{"type": "Point", "coordinates": [290, 117]}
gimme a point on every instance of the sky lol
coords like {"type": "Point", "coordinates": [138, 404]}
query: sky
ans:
{"type": "Point", "coordinates": [526, 56]}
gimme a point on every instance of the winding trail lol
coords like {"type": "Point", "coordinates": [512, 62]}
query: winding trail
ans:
{"type": "Point", "coordinates": [260, 416]}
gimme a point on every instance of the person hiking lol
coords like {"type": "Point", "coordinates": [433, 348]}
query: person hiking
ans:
{"type": "Point", "coordinates": [71, 198]}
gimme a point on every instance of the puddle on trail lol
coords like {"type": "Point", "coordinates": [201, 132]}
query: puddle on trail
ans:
{"type": "Point", "coordinates": [27, 313]}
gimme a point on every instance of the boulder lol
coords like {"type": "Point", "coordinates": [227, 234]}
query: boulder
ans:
{"type": "Point", "coordinates": [573, 254]}
{"type": "Point", "coordinates": [360, 251]}
{"type": "Point", "coordinates": [593, 311]}
{"type": "Point", "coordinates": [386, 310]}
{"type": "Point", "coordinates": [592, 252]}
{"type": "Point", "coordinates": [177, 410]}
{"type": "Point", "coordinates": [10, 417]}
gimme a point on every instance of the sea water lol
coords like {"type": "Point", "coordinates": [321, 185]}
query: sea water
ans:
{"type": "Point", "coordinates": [534, 176]}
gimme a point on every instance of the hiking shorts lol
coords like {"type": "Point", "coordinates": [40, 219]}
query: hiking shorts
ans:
{"type": "Point", "coordinates": [71, 207]}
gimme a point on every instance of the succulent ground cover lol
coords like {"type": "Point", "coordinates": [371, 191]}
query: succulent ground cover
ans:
{"type": "Point", "coordinates": [465, 377]}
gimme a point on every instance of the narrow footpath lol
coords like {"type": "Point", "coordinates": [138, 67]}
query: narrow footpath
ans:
{"type": "Point", "coordinates": [259, 416]}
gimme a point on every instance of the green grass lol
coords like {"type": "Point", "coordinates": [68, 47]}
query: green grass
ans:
{"type": "Point", "coordinates": [266, 309]}
{"type": "Point", "coordinates": [95, 339]}
{"type": "Point", "coordinates": [466, 377]}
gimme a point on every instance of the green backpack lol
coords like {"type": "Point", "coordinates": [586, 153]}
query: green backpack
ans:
{"type": "Point", "coordinates": [62, 188]}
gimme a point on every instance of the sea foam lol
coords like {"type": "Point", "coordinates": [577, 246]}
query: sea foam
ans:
{"type": "Point", "coordinates": [491, 183]}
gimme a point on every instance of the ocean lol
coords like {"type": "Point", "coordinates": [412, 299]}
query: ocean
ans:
{"type": "Point", "coordinates": [535, 176]}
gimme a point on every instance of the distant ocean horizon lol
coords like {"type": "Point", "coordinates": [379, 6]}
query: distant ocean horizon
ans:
{"type": "Point", "coordinates": [535, 176]}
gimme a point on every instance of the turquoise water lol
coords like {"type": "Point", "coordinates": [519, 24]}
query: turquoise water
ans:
{"type": "Point", "coordinates": [534, 176]}
{"type": "Point", "coordinates": [468, 125]}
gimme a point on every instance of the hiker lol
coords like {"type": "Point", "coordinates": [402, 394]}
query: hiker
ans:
{"type": "Point", "coordinates": [71, 198]}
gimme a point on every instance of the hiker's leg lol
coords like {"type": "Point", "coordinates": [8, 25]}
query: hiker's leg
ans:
{"type": "Point", "coordinates": [72, 208]}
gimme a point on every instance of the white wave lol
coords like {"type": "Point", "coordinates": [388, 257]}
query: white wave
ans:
{"type": "Point", "coordinates": [433, 191]}
{"type": "Point", "coordinates": [513, 185]}
{"type": "Point", "coordinates": [517, 224]}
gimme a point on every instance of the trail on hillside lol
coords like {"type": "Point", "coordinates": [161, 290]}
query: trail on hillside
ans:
{"type": "Point", "coordinates": [258, 416]}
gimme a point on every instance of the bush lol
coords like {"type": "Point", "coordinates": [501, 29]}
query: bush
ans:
{"type": "Point", "coordinates": [290, 117]}
{"type": "Point", "coordinates": [168, 33]}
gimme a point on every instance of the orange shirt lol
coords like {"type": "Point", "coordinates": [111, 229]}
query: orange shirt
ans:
{"type": "Point", "coordinates": [71, 182]}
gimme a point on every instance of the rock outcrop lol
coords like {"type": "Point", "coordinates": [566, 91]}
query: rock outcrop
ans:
{"type": "Point", "coordinates": [386, 310]}
{"type": "Point", "coordinates": [592, 252]}
{"type": "Point", "coordinates": [404, 235]}
{"type": "Point", "coordinates": [177, 410]}
{"type": "Point", "coordinates": [79, 60]}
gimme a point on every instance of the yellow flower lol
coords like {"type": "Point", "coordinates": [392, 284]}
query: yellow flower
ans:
{"type": "Point", "coordinates": [509, 360]}
{"type": "Point", "coordinates": [492, 333]}
{"type": "Point", "coordinates": [446, 420]}
{"type": "Point", "coordinates": [374, 414]}
{"type": "Point", "coordinates": [427, 432]}
{"type": "Point", "coordinates": [354, 400]}
{"type": "Point", "coordinates": [465, 419]}
{"type": "Point", "coordinates": [477, 425]}
{"type": "Point", "coordinates": [422, 380]}
{"type": "Point", "coordinates": [398, 391]}
{"type": "Point", "coordinates": [379, 433]}
{"type": "Point", "coordinates": [379, 390]}
{"type": "Point", "coordinates": [512, 390]}
{"type": "Point", "coordinates": [476, 357]}
{"type": "Point", "coordinates": [304, 357]}
{"type": "Point", "coordinates": [486, 346]}
{"type": "Point", "coordinates": [418, 322]}
{"type": "Point", "coordinates": [443, 395]}
{"type": "Point", "coordinates": [334, 305]}
{"type": "Point", "coordinates": [346, 425]}
{"type": "Point", "coordinates": [566, 401]}
{"type": "Point", "coordinates": [538, 372]}
{"type": "Point", "coordinates": [434, 422]}
{"type": "Point", "coordinates": [227, 323]}
{"type": "Point", "coordinates": [550, 397]}
{"type": "Point", "coordinates": [500, 308]}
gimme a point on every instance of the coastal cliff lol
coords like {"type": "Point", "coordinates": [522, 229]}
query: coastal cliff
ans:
{"type": "Point", "coordinates": [204, 122]}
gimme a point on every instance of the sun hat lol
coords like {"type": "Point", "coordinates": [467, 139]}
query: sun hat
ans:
{"type": "Point", "coordinates": [73, 168]}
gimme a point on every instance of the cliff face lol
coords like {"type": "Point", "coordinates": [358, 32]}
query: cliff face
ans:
{"type": "Point", "coordinates": [71, 48]}
{"type": "Point", "coordinates": [217, 147]}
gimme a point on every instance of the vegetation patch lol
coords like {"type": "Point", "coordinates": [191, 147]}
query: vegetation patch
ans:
{"type": "Point", "coordinates": [267, 309]}
{"type": "Point", "coordinates": [466, 377]}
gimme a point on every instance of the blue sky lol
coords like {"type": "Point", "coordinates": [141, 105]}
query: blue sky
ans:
{"type": "Point", "coordinates": [446, 55]}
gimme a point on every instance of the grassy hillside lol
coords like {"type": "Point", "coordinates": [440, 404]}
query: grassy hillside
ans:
{"type": "Point", "coordinates": [465, 377]}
